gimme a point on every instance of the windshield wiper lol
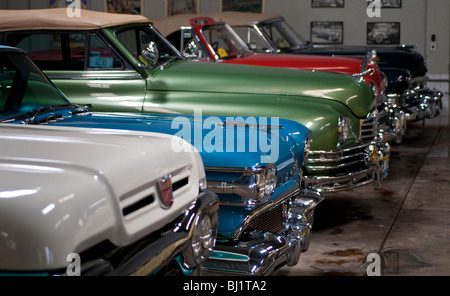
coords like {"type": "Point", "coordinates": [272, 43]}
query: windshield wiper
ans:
{"type": "Point", "coordinates": [41, 110]}
{"type": "Point", "coordinates": [46, 109]}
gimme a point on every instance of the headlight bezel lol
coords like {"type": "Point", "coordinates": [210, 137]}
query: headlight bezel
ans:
{"type": "Point", "coordinates": [203, 238]}
{"type": "Point", "coordinates": [255, 185]}
{"type": "Point", "coordinates": [343, 129]}
{"type": "Point", "coordinates": [202, 183]}
{"type": "Point", "coordinates": [306, 149]}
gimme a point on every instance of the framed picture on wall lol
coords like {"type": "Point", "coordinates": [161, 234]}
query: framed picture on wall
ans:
{"type": "Point", "coordinates": [242, 5]}
{"type": "Point", "coordinates": [388, 3]}
{"type": "Point", "coordinates": [124, 6]}
{"type": "Point", "coordinates": [383, 33]}
{"type": "Point", "coordinates": [181, 6]}
{"type": "Point", "coordinates": [327, 32]}
{"type": "Point", "coordinates": [327, 3]}
{"type": "Point", "coordinates": [64, 3]}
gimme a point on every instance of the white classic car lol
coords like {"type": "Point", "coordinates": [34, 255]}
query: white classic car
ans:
{"type": "Point", "coordinates": [76, 201]}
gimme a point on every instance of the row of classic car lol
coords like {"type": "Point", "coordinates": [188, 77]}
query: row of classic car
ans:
{"type": "Point", "coordinates": [253, 206]}
{"type": "Point", "coordinates": [151, 202]}
{"type": "Point", "coordinates": [407, 94]}
{"type": "Point", "coordinates": [111, 63]}
{"type": "Point", "coordinates": [204, 39]}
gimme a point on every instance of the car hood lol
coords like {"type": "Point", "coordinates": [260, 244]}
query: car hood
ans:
{"type": "Point", "coordinates": [303, 62]}
{"type": "Point", "coordinates": [243, 79]}
{"type": "Point", "coordinates": [211, 139]}
{"type": "Point", "coordinates": [393, 57]}
{"type": "Point", "coordinates": [63, 190]}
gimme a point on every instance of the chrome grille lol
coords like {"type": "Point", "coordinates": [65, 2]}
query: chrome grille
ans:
{"type": "Point", "coordinates": [369, 128]}
{"type": "Point", "coordinates": [344, 160]}
{"type": "Point", "coordinates": [270, 221]}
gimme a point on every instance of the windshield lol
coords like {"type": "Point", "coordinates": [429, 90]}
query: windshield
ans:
{"type": "Point", "coordinates": [137, 39]}
{"type": "Point", "coordinates": [282, 35]}
{"type": "Point", "coordinates": [224, 41]}
{"type": "Point", "coordinates": [23, 87]}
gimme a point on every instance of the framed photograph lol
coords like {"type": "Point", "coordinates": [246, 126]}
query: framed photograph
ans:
{"type": "Point", "coordinates": [327, 3]}
{"type": "Point", "coordinates": [242, 5]}
{"type": "Point", "coordinates": [64, 3]}
{"type": "Point", "coordinates": [124, 6]}
{"type": "Point", "coordinates": [383, 33]}
{"type": "Point", "coordinates": [327, 32]}
{"type": "Point", "coordinates": [388, 3]}
{"type": "Point", "coordinates": [181, 6]}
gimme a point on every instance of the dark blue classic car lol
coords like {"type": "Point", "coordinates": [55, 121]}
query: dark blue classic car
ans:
{"type": "Point", "coordinates": [253, 164]}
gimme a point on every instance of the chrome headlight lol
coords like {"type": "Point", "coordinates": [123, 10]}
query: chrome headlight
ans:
{"type": "Point", "coordinates": [374, 88]}
{"type": "Point", "coordinates": [202, 184]}
{"type": "Point", "coordinates": [254, 186]}
{"type": "Point", "coordinates": [203, 238]}
{"type": "Point", "coordinates": [266, 181]}
{"type": "Point", "coordinates": [343, 129]}
{"type": "Point", "coordinates": [306, 150]}
{"type": "Point", "coordinates": [385, 80]}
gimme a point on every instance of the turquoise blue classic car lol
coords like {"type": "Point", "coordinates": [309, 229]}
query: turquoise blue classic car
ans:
{"type": "Point", "coordinates": [253, 164]}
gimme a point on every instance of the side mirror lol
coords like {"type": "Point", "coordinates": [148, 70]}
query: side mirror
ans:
{"type": "Point", "coordinates": [150, 54]}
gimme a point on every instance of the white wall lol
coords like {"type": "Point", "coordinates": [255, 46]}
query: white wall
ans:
{"type": "Point", "coordinates": [419, 20]}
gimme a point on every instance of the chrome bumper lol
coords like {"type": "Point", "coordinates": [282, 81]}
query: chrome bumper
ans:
{"type": "Point", "coordinates": [417, 103]}
{"type": "Point", "coordinates": [259, 252]}
{"type": "Point", "coordinates": [154, 253]}
{"type": "Point", "coordinates": [393, 123]}
{"type": "Point", "coordinates": [349, 168]}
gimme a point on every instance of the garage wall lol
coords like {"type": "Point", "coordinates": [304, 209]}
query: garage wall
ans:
{"type": "Point", "coordinates": [419, 20]}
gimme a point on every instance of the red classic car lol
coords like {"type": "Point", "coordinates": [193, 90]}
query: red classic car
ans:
{"type": "Point", "coordinates": [201, 38]}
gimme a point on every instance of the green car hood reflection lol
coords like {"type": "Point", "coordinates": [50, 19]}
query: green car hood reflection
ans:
{"type": "Point", "coordinates": [222, 78]}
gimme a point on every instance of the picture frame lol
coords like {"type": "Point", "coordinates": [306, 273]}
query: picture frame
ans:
{"type": "Point", "coordinates": [242, 5]}
{"type": "Point", "coordinates": [388, 3]}
{"type": "Point", "coordinates": [383, 33]}
{"type": "Point", "coordinates": [327, 3]}
{"type": "Point", "coordinates": [124, 6]}
{"type": "Point", "coordinates": [327, 32]}
{"type": "Point", "coordinates": [173, 7]}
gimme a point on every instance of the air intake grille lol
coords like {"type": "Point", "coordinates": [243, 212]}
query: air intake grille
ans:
{"type": "Point", "coordinates": [369, 129]}
{"type": "Point", "coordinates": [137, 205]}
{"type": "Point", "coordinates": [342, 161]}
{"type": "Point", "coordinates": [270, 221]}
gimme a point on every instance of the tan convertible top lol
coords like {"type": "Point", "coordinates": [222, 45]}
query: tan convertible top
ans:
{"type": "Point", "coordinates": [52, 18]}
{"type": "Point", "coordinates": [173, 23]}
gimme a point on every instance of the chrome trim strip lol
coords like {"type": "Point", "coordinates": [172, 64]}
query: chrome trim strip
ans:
{"type": "Point", "coordinates": [334, 184]}
{"type": "Point", "coordinates": [319, 152]}
{"type": "Point", "coordinates": [96, 76]}
{"type": "Point", "coordinates": [338, 166]}
{"type": "Point", "coordinates": [334, 158]}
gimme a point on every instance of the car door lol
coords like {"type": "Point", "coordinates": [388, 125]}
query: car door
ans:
{"type": "Point", "coordinates": [84, 68]}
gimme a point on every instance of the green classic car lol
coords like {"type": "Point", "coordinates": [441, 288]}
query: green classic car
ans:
{"type": "Point", "coordinates": [121, 63]}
